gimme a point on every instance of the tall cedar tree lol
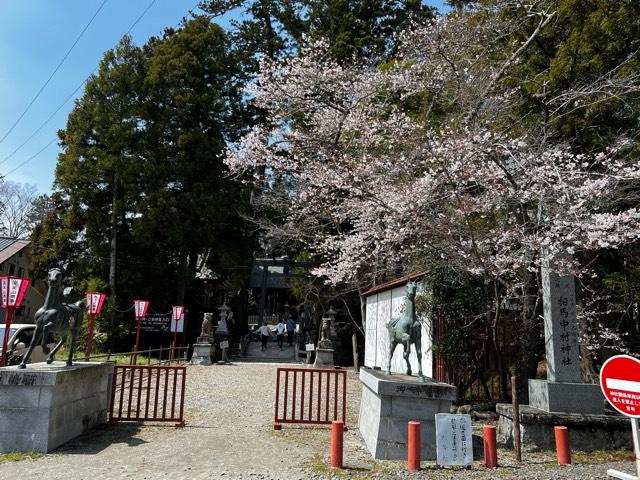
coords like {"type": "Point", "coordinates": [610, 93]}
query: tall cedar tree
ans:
{"type": "Point", "coordinates": [355, 29]}
{"type": "Point", "coordinates": [141, 193]}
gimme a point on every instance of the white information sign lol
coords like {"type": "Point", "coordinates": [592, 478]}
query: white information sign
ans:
{"type": "Point", "coordinates": [454, 444]}
{"type": "Point", "coordinates": [309, 347]}
{"type": "Point", "coordinates": [224, 344]}
{"type": "Point", "coordinates": [180, 325]}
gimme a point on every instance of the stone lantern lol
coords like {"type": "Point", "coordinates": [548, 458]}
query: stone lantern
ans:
{"type": "Point", "coordinates": [331, 314]}
{"type": "Point", "coordinates": [222, 332]}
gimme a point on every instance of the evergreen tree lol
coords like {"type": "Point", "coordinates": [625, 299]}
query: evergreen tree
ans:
{"type": "Point", "coordinates": [361, 29]}
{"type": "Point", "coordinates": [142, 197]}
{"type": "Point", "coordinates": [195, 108]}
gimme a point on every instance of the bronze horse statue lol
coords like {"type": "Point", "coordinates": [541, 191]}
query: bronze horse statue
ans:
{"type": "Point", "coordinates": [405, 330]}
{"type": "Point", "coordinates": [56, 317]}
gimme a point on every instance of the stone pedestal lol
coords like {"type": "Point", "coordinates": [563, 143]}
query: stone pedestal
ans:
{"type": "Point", "coordinates": [587, 432]}
{"type": "Point", "coordinates": [390, 401]}
{"type": "Point", "coordinates": [324, 358]}
{"type": "Point", "coordinates": [44, 406]}
{"type": "Point", "coordinates": [565, 397]}
{"type": "Point", "coordinates": [202, 351]}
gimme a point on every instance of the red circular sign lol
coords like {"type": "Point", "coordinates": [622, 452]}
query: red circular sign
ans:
{"type": "Point", "coordinates": [620, 383]}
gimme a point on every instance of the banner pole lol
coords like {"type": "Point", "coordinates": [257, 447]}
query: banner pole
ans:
{"type": "Point", "coordinates": [635, 429]}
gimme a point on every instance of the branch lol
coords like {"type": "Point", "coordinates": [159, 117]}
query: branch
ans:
{"type": "Point", "coordinates": [546, 18]}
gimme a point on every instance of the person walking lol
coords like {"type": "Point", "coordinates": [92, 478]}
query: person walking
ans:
{"type": "Point", "coordinates": [280, 328]}
{"type": "Point", "coordinates": [265, 331]}
{"type": "Point", "coordinates": [291, 328]}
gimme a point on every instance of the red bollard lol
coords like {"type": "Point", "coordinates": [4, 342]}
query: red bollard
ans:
{"type": "Point", "coordinates": [490, 451]}
{"type": "Point", "coordinates": [562, 445]}
{"type": "Point", "coordinates": [337, 432]}
{"type": "Point", "coordinates": [413, 447]}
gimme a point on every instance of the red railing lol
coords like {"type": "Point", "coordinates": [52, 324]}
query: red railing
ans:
{"type": "Point", "coordinates": [439, 368]}
{"type": "Point", "coordinates": [310, 395]}
{"type": "Point", "coordinates": [148, 393]}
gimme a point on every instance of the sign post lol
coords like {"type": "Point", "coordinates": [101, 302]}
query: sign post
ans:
{"type": "Point", "coordinates": [95, 300]}
{"type": "Point", "coordinates": [140, 309]}
{"type": "Point", "coordinates": [13, 290]}
{"type": "Point", "coordinates": [178, 314]}
{"type": "Point", "coordinates": [620, 383]}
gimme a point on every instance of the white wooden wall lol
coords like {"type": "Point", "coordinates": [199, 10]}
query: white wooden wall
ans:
{"type": "Point", "coordinates": [381, 308]}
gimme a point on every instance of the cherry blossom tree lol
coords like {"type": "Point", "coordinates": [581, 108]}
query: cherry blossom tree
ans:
{"type": "Point", "coordinates": [386, 166]}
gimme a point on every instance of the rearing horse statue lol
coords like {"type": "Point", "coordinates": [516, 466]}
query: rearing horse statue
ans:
{"type": "Point", "coordinates": [405, 330]}
{"type": "Point", "coordinates": [56, 317]}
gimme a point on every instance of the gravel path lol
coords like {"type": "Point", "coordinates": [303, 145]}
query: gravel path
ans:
{"type": "Point", "coordinates": [229, 434]}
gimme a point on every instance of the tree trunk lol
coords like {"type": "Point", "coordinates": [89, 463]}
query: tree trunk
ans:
{"type": "Point", "coordinates": [496, 345]}
{"type": "Point", "coordinates": [532, 345]}
{"type": "Point", "coordinates": [181, 284]}
{"type": "Point", "coordinates": [588, 369]}
{"type": "Point", "coordinates": [113, 251]}
{"type": "Point", "coordinates": [363, 310]}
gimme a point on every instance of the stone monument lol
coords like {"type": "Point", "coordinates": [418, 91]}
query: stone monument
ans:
{"type": "Point", "coordinates": [203, 348]}
{"type": "Point", "coordinates": [454, 441]}
{"type": "Point", "coordinates": [562, 399]}
{"type": "Point", "coordinates": [563, 390]}
{"type": "Point", "coordinates": [325, 351]}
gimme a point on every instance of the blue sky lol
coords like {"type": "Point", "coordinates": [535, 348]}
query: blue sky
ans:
{"type": "Point", "coordinates": [34, 37]}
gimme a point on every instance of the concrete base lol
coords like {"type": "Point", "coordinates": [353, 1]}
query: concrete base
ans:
{"type": "Point", "coordinates": [586, 432]}
{"type": "Point", "coordinates": [202, 354]}
{"type": "Point", "coordinates": [44, 406]}
{"type": "Point", "coordinates": [566, 397]}
{"type": "Point", "coordinates": [389, 402]}
{"type": "Point", "coordinates": [324, 358]}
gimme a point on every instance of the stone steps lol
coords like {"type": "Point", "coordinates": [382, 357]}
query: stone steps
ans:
{"type": "Point", "coordinates": [273, 354]}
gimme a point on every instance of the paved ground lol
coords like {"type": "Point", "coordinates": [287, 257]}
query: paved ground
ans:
{"type": "Point", "coordinates": [229, 434]}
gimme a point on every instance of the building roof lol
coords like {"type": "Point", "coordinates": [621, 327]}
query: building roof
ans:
{"type": "Point", "coordinates": [10, 246]}
{"type": "Point", "coordinates": [398, 282]}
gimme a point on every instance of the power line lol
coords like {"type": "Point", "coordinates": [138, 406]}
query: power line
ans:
{"type": "Point", "coordinates": [144, 12]}
{"type": "Point", "coordinates": [71, 96]}
{"type": "Point", "coordinates": [31, 157]}
{"type": "Point", "coordinates": [55, 70]}
{"type": "Point", "coordinates": [19, 147]}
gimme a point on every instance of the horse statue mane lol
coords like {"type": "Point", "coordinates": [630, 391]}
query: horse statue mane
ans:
{"type": "Point", "coordinates": [56, 317]}
{"type": "Point", "coordinates": [406, 330]}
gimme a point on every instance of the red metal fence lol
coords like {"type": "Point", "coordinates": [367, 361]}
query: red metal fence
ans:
{"type": "Point", "coordinates": [439, 368]}
{"type": "Point", "coordinates": [148, 393]}
{"type": "Point", "coordinates": [310, 395]}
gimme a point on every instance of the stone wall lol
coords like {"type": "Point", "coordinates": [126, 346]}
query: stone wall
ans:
{"type": "Point", "coordinates": [586, 432]}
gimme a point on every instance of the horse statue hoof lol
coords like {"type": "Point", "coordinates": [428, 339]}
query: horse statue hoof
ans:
{"type": "Point", "coordinates": [421, 378]}
{"type": "Point", "coordinates": [22, 365]}
{"type": "Point", "coordinates": [49, 361]}
{"type": "Point", "coordinates": [69, 364]}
